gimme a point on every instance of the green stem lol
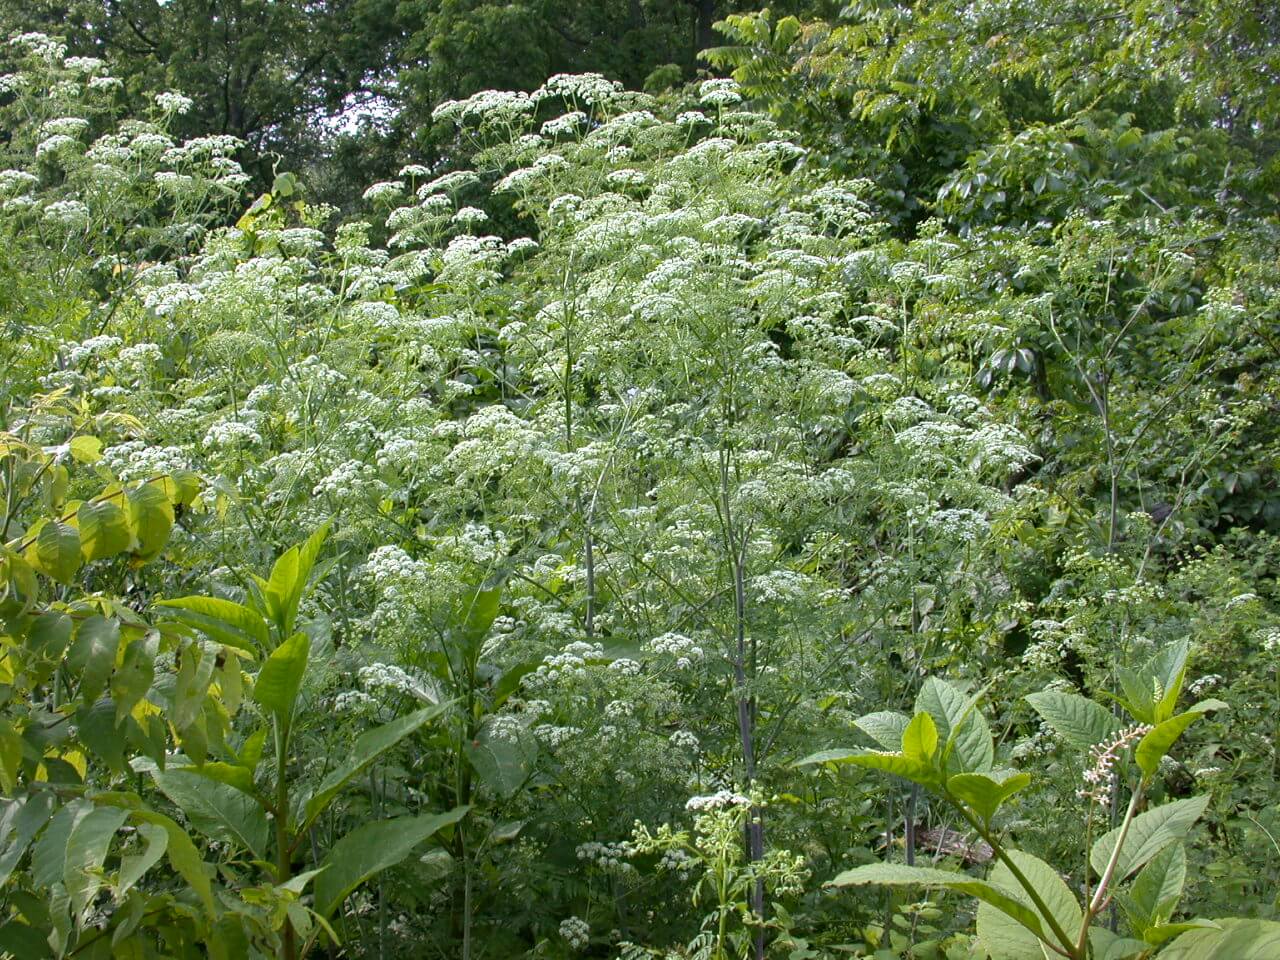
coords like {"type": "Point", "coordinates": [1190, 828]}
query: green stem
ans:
{"type": "Point", "coordinates": [284, 846]}
{"type": "Point", "coordinates": [1100, 895]}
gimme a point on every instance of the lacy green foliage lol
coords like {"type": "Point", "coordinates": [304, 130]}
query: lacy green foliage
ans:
{"type": "Point", "coordinates": [626, 465]}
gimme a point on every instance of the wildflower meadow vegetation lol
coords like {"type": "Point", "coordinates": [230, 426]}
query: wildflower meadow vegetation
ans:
{"type": "Point", "coordinates": [813, 498]}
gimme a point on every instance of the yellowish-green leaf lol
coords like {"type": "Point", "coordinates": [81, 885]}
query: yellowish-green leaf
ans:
{"type": "Point", "coordinates": [104, 529]}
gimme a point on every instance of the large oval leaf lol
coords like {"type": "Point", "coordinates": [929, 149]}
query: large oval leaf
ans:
{"type": "Point", "coordinates": [1149, 833]}
{"type": "Point", "coordinates": [369, 850]}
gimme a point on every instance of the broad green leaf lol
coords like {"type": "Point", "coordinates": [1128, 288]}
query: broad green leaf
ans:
{"type": "Point", "coordinates": [503, 760]}
{"type": "Point", "coordinates": [10, 756]}
{"type": "Point", "coordinates": [134, 865]}
{"type": "Point", "coordinates": [1168, 667]}
{"type": "Point", "coordinates": [280, 678]}
{"type": "Point", "coordinates": [100, 733]}
{"type": "Point", "coordinates": [1149, 833]}
{"type": "Point", "coordinates": [510, 682]}
{"type": "Point", "coordinates": [368, 747]}
{"type": "Point", "coordinates": [1007, 941]}
{"type": "Point", "coordinates": [370, 849]}
{"type": "Point", "coordinates": [901, 875]}
{"type": "Point", "coordinates": [25, 941]}
{"type": "Point", "coordinates": [885, 728]}
{"type": "Point", "coordinates": [183, 856]}
{"type": "Point", "coordinates": [916, 771]}
{"type": "Point", "coordinates": [920, 739]}
{"type": "Point", "coordinates": [835, 755]}
{"type": "Point", "coordinates": [49, 855]}
{"type": "Point", "coordinates": [85, 449]}
{"type": "Point", "coordinates": [480, 614]}
{"type": "Point", "coordinates": [1109, 946]}
{"type": "Point", "coordinates": [217, 809]}
{"type": "Point", "coordinates": [150, 516]}
{"type": "Point", "coordinates": [104, 529]}
{"type": "Point", "coordinates": [191, 687]}
{"type": "Point", "coordinates": [1140, 693]}
{"type": "Point", "coordinates": [962, 730]}
{"type": "Point", "coordinates": [1164, 932]}
{"type": "Point", "coordinates": [22, 821]}
{"type": "Point", "coordinates": [984, 793]}
{"type": "Point", "coordinates": [1157, 888]}
{"type": "Point", "coordinates": [232, 774]}
{"type": "Point", "coordinates": [93, 654]}
{"type": "Point", "coordinates": [223, 620]}
{"type": "Point", "coordinates": [136, 673]}
{"type": "Point", "coordinates": [86, 853]}
{"type": "Point", "coordinates": [1156, 743]}
{"type": "Point", "coordinates": [180, 486]}
{"type": "Point", "coordinates": [1233, 940]}
{"type": "Point", "coordinates": [49, 635]}
{"type": "Point", "coordinates": [1076, 719]}
{"type": "Point", "coordinates": [289, 577]}
{"type": "Point", "coordinates": [55, 552]}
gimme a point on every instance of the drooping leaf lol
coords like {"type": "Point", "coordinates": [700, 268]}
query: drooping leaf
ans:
{"type": "Point", "coordinates": [223, 620]}
{"type": "Point", "coordinates": [997, 897]}
{"type": "Point", "coordinates": [150, 516]}
{"type": "Point", "coordinates": [104, 529]}
{"type": "Point", "coordinates": [503, 759]}
{"type": "Point", "coordinates": [368, 747]}
{"type": "Point", "coordinates": [100, 733]}
{"type": "Point", "coordinates": [93, 654]}
{"type": "Point", "coordinates": [370, 849]}
{"type": "Point", "coordinates": [182, 854]}
{"type": "Point", "coordinates": [23, 940]}
{"type": "Point", "coordinates": [191, 686]}
{"type": "Point", "coordinates": [136, 673]}
{"type": "Point", "coordinates": [1149, 833]}
{"type": "Point", "coordinates": [1076, 719]}
{"type": "Point", "coordinates": [22, 821]}
{"type": "Point", "coordinates": [86, 853]}
{"type": "Point", "coordinates": [916, 771]}
{"type": "Point", "coordinates": [49, 635]}
{"type": "Point", "coordinates": [55, 552]}
{"type": "Point", "coordinates": [217, 809]}
{"type": "Point", "coordinates": [835, 755]}
{"type": "Point", "coordinates": [134, 865]}
{"type": "Point", "coordinates": [49, 855]}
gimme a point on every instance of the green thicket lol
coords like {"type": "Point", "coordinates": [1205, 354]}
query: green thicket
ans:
{"type": "Point", "coordinates": [802, 491]}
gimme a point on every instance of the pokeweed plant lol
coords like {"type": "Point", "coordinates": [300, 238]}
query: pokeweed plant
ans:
{"type": "Point", "coordinates": [1026, 909]}
{"type": "Point", "coordinates": [273, 816]}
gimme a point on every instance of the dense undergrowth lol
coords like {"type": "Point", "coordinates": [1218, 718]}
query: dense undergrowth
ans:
{"type": "Point", "coordinates": [535, 566]}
